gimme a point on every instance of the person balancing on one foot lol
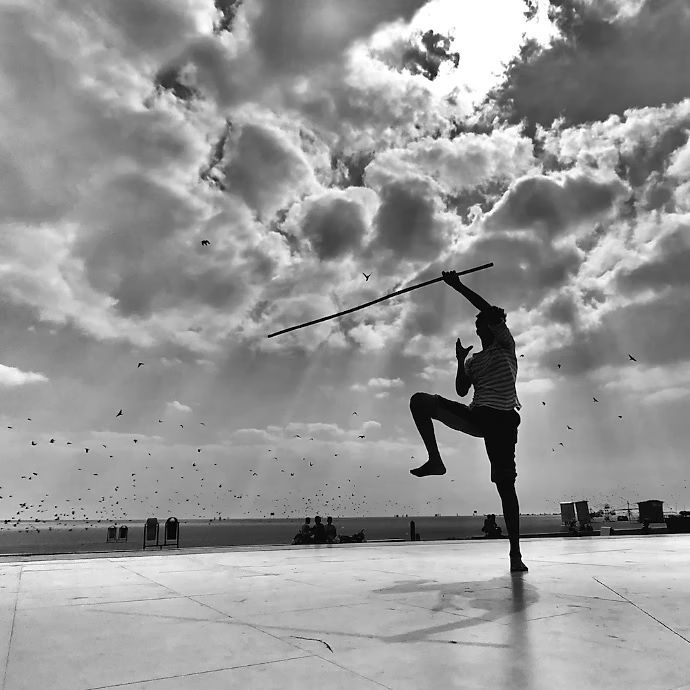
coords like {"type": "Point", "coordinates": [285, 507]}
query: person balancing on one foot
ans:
{"type": "Point", "coordinates": [491, 415]}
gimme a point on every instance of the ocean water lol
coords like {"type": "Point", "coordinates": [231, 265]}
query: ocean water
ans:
{"type": "Point", "coordinates": [90, 536]}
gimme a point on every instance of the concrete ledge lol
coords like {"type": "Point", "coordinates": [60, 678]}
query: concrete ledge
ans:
{"type": "Point", "coordinates": [124, 553]}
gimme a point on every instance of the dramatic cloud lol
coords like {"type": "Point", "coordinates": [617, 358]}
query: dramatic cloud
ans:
{"type": "Point", "coordinates": [11, 377]}
{"type": "Point", "coordinates": [266, 170]}
{"type": "Point", "coordinates": [294, 37]}
{"type": "Point", "coordinates": [182, 180]}
{"type": "Point", "coordinates": [607, 62]}
{"type": "Point", "coordinates": [176, 405]}
{"type": "Point", "coordinates": [555, 206]}
{"type": "Point", "coordinates": [334, 225]}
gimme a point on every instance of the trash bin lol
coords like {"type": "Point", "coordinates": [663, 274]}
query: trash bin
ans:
{"type": "Point", "coordinates": [112, 534]}
{"type": "Point", "coordinates": [123, 532]}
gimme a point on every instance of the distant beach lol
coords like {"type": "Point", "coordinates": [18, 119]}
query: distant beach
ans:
{"type": "Point", "coordinates": [89, 536]}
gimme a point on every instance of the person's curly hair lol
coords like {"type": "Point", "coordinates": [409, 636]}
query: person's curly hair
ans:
{"type": "Point", "coordinates": [491, 312]}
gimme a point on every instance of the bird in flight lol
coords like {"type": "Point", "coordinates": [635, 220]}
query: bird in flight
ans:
{"type": "Point", "coordinates": [141, 364]}
{"type": "Point", "coordinates": [354, 413]}
{"type": "Point", "coordinates": [205, 243]}
{"type": "Point", "coordinates": [361, 437]}
{"type": "Point", "coordinates": [632, 358]}
{"type": "Point", "coordinates": [33, 443]}
{"type": "Point", "coordinates": [366, 276]}
{"type": "Point", "coordinates": [595, 400]}
{"type": "Point", "coordinates": [119, 414]}
{"type": "Point", "coordinates": [569, 427]}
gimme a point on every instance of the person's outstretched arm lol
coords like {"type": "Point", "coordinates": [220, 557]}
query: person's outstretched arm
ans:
{"type": "Point", "coordinates": [451, 278]}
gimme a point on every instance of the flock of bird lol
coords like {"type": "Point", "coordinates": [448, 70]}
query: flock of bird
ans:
{"type": "Point", "coordinates": [121, 513]}
{"type": "Point", "coordinates": [593, 398]}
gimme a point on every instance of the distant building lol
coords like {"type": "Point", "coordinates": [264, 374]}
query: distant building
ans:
{"type": "Point", "coordinates": [575, 510]}
{"type": "Point", "coordinates": [567, 512]}
{"type": "Point", "coordinates": [651, 510]}
{"type": "Point", "coordinates": [582, 510]}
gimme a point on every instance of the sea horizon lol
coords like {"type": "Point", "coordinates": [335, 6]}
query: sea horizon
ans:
{"type": "Point", "coordinates": [32, 521]}
{"type": "Point", "coordinates": [103, 535]}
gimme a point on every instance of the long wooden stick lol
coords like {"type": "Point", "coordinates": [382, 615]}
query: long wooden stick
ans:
{"type": "Point", "coordinates": [380, 299]}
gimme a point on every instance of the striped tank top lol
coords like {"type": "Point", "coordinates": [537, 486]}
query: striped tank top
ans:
{"type": "Point", "coordinates": [493, 372]}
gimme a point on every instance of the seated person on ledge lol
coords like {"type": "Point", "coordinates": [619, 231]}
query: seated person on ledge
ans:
{"type": "Point", "coordinates": [319, 531]}
{"type": "Point", "coordinates": [306, 530]}
{"type": "Point", "coordinates": [330, 530]}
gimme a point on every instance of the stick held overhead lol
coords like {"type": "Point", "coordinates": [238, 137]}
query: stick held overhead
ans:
{"type": "Point", "coordinates": [380, 299]}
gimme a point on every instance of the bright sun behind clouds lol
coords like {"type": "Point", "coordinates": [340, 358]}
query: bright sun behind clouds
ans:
{"type": "Point", "coordinates": [487, 35]}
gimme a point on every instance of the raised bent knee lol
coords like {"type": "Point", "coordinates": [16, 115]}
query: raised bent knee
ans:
{"type": "Point", "coordinates": [420, 401]}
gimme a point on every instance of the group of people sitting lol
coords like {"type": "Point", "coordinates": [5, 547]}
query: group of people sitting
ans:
{"type": "Point", "coordinates": [318, 534]}
{"type": "Point", "coordinates": [491, 529]}
{"type": "Point", "coordinates": [326, 534]}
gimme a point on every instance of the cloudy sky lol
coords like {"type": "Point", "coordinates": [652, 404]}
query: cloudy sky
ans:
{"type": "Point", "coordinates": [309, 143]}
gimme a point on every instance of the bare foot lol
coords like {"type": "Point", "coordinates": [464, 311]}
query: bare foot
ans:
{"type": "Point", "coordinates": [517, 566]}
{"type": "Point", "coordinates": [431, 466]}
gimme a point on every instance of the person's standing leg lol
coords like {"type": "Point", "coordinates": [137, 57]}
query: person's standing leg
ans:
{"type": "Point", "coordinates": [511, 515]}
{"type": "Point", "coordinates": [500, 441]}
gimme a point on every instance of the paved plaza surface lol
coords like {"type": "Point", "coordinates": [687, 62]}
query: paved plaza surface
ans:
{"type": "Point", "coordinates": [592, 612]}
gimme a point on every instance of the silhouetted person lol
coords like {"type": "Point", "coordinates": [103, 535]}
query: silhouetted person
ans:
{"type": "Point", "coordinates": [491, 529]}
{"type": "Point", "coordinates": [491, 415]}
{"type": "Point", "coordinates": [319, 531]}
{"type": "Point", "coordinates": [306, 527]}
{"type": "Point", "coordinates": [331, 532]}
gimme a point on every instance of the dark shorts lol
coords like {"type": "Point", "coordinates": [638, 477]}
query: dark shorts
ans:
{"type": "Point", "coordinates": [498, 428]}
